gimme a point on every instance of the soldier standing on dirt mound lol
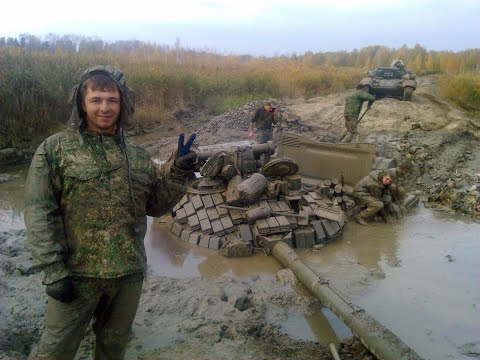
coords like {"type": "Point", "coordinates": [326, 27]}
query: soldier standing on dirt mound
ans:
{"type": "Point", "coordinates": [88, 192]}
{"type": "Point", "coordinates": [353, 106]}
{"type": "Point", "coordinates": [263, 120]}
{"type": "Point", "coordinates": [371, 193]}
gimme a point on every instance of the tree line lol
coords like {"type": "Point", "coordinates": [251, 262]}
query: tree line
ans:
{"type": "Point", "coordinates": [36, 75]}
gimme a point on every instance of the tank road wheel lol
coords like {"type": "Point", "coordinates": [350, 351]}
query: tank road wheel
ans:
{"type": "Point", "coordinates": [407, 93]}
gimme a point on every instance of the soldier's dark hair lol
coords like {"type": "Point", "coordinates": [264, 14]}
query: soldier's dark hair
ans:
{"type": "Point", "coordinates": [98, 82]}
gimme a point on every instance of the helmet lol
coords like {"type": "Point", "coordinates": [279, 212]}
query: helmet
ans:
{"type": "Point", "coordinates": [398, 64]}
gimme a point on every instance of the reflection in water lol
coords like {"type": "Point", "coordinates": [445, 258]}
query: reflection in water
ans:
{"type": "Point", "coordinates": [322, 326]}
{"type": "Point", "coordinates": [354, 261]}
{"type": "Point", "coordinates": [431, 300]}
{"type": "Point", "coordinates": [12, 199]}
{"type": "Point", "coordinates": [168, 256]}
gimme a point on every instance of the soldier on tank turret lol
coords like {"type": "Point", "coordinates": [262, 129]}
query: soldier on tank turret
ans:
{"type": "Point", "coordinates": [398, 64]}
{"type": "Point", "coordinates": [88, 193]}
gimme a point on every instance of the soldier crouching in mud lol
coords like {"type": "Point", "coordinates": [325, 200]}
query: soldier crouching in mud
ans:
{"type": "Point", "coordinates": [372, 194]}
{"type": "Point", "coordinates": [88, 192]}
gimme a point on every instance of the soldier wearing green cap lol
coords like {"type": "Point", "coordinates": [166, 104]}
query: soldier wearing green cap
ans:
{"type": "Point", "coordinates": [88, 192]}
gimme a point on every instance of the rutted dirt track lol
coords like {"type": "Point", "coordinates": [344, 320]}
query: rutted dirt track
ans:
{"type": "Point", "coordinates": [226, 318]}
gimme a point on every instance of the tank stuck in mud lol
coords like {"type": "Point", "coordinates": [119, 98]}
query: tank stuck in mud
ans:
{"type": "Point", "coordinates": [248, 197]}
{"type": "Point", "coordinates": [256, 197]}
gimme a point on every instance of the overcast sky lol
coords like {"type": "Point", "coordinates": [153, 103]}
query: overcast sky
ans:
{"type": "Point", "coordinates": [257, 27]}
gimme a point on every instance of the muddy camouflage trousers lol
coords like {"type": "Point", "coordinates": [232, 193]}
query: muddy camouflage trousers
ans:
{"type": "Point", "coordinates": [351, 123]}
{"type": "Point", "coordinates": [372, 205]}
{"type": "Point", "coordinates": [112, 303]}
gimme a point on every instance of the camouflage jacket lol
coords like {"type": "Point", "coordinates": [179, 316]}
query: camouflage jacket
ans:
{"type": "Point", "coordinates": [263, 119]}
{"type": "Point", "coordinates": [354, 102]}
{"type": "Point", "coordinates": [83, 217]}
{"type": "Point", "coordinates": [371, 185]}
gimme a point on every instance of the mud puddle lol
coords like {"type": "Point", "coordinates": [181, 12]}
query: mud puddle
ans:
{"type": "Point", "coordinates": [418, 276]}
{"type": "Point", "coordinates": [167, 256]}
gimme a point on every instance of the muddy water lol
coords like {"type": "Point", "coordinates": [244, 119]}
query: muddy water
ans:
{"type": "Point", "coordinates": [11, 198]}
{"type": "Point", "coordinates": [418, 276]}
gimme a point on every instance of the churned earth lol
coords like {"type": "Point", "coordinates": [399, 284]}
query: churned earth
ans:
{"type": "Point", "coordinates": [241, 317]}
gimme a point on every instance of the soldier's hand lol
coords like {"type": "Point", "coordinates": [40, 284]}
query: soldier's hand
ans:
{"type": "Point", "coordinates": [62, 290]}
{"type": "Point", "coordinates": [185, 158]}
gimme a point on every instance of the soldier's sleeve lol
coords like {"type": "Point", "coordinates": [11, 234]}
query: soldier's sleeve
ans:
{"type": "Point", "coordinates": [255, 116]}
{"type": "Point", "coordinates": [43, 219]}
{"type": "Point", "coordinates": [169, 187]}
{"type": "Point", "coordinates": [368, 97]}
{"type": "Point", "coordinates": [361, 189]}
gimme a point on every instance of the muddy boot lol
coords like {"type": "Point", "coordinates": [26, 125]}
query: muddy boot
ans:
{"type": "Point", "coordinates": [360, 220]}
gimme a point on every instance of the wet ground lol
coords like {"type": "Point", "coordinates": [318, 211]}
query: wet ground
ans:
{"type": "Point", "coordinates": [418, 276]}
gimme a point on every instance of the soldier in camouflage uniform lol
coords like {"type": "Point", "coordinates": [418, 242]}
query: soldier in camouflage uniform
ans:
{"type": "Point", "coordinates": [263, 120]}
{"type": "Point", "coordinates": [371, 193]}
{"type": "Point", "coordinates": [353, 106]}
{"type": "Point", "coordinates": [88, 192]}
{"type": "Point", "coordinates": [400, 172]}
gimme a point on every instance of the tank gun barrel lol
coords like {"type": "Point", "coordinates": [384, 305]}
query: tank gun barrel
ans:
{"type": "Point", "coordinates": [377, 338]}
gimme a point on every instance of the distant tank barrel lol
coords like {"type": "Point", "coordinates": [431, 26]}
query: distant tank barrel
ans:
{"type": "Point", "coordinates": [381, 342]}
{"type": "Point", "coordinates": [205, 152]}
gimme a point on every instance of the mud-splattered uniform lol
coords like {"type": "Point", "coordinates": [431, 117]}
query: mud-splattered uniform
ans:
{"type": "Point", "coordinates": [87, 197]}
{"type": "Point", "coordinates": [372, 194]}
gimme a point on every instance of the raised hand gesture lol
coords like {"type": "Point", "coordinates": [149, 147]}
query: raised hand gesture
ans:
{"type": "Point", "coordinates": [185, 158]}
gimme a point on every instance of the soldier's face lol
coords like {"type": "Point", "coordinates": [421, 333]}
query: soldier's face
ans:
{"type": "Point", "coordinates": [387, 180]}
{"type": "Point", "coordinates": [102, 109]}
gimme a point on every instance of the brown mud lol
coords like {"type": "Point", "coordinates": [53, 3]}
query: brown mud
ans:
{"type": "Point", "coordinates": [216, 310]}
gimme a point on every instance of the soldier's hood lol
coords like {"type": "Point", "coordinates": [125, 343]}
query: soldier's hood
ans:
{"type": "Point", "coordinates": [126, 121]}
{"type": "Point", "coordinates": [377, 175]}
